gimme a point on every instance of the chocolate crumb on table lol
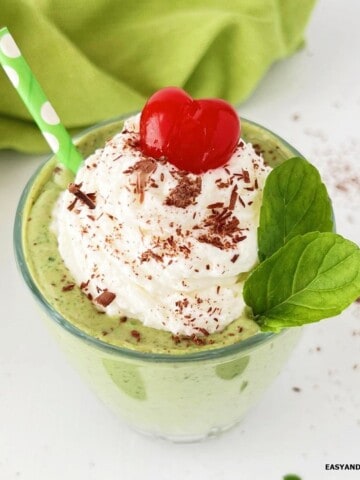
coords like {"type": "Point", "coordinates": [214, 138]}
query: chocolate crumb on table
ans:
{"type": "Point", "coordinates": [337, 166]}
{"type": "Point", "coordinates": [296, 389]}
{"type": "Point", "coordinates": [295, 117]}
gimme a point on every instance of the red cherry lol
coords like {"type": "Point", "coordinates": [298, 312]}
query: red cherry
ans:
{"type": "Point", "coordinates": [193, 135]}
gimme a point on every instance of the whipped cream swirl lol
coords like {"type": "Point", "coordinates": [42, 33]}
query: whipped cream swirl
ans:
{"type": "Point", "coordinates": [148, 241]}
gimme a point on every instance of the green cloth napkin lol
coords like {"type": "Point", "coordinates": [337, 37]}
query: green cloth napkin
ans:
{"type": "Point", "coordinates": [100, 58]}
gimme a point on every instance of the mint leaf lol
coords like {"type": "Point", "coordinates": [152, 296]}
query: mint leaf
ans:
{"type": "Point", "coordinates": [295, 202]}
{"type": "Point", "coordinates": [312, 277]}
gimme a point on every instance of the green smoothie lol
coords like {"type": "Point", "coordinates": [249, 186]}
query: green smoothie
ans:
{"type": "Point", "coordinates": [183, 389]}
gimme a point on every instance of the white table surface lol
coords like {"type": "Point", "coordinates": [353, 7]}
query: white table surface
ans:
{"type": "Point", "coordinates": [51, 425]}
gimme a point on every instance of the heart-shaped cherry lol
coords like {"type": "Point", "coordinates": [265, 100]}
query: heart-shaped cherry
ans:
{"type": "Point", "coordinates": [193, 135]}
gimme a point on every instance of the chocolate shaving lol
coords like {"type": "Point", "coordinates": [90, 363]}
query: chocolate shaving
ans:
{"type": "Point", "coordinates": [233, 198]}
{"type": "Point", "coordinates": [203, 331]}
{"type": "Point", "coordinates": [188, 340]}
{"type": "Point", "coordinates": [148, 254]}
{"type": "Point", "coordinates": [68, 287]}
{"type": "Point", "coordinates": [246, 176]}
{"type": "Point", "coordinates": [181, 304]}
{"type": "Point", "coordinates": [223, 230]}
{"type": "Point", "coordinates": [136, 334]}
{"type": "Point", "coordinates": [84, 285]}
{"type": "Point", "coordinates": [216, 205]}
{"type": "Point", "coordinates": [72, 205]}
{"type": "Point", "coordinates": [88, 199]}
{"type": "Point", "coordinates": [257, 148]}
{"type": "Point", "coordinates": [185, 192]}
{"type": "Point", "coordinates": [176, 339]}
{"type": "Point", "coordinates": [197, 340]}
{"type": "Point", "coordinates": [143, 168]}
{"type": "Point", "coordinates": [221, 184]}
{"type": "Point", "coordinates": [148, 165]}
{"type": "Point", "coordinates": [234, 258]}
{"type": "Point", "coordinates": [241, 201]}
{"type": "Point", "coordinates": [105, 298]}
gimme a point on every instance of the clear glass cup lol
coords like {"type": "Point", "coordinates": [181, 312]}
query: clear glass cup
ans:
{"type": "Point", "coordinates": [185, 397]}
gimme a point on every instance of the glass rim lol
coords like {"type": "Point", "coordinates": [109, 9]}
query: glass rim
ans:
{"type": "Point", "coordinates": [239, 347]}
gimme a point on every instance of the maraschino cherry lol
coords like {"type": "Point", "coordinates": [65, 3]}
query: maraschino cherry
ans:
{"type": "Point", "coordinates": [193, 135]}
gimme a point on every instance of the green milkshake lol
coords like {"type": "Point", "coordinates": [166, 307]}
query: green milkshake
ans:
{"type": "Point", "coordinates": [171, 265]}
{"type": "Point", "coordinates": [177, 387]}
{"type": "Point", "coordinates": [57, 284]}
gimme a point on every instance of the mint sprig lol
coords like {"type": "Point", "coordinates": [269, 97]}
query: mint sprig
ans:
{"type": "Point", "coordinates": [295, 202]}
{"type": "Point", "coordinates": [307, 272]}
{"type": "Point", "coordinates": [314, 276]}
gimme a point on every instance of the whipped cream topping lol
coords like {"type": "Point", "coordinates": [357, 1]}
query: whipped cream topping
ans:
{"type": "Point", "coordinates": [148, 241]}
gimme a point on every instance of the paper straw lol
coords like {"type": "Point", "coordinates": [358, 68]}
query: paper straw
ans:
{"type": "Point", "coordinates": [33, 96]}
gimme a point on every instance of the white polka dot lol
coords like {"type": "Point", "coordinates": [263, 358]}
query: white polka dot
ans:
{"type": "Point", "coordinates": [13, 76]}
{"type": "Point", "coordinates": [48, 114]}
{"type": "Point", "coordinates": [9, 47]}
{"type": "Point", "coordinates": [52, 141]}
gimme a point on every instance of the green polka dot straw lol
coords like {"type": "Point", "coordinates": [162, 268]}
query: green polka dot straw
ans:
{"type": "Point", "coordinates": [33, 96]}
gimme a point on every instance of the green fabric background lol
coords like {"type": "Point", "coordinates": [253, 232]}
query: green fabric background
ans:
{"type": "Point", "coordinates": [99, 58]}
